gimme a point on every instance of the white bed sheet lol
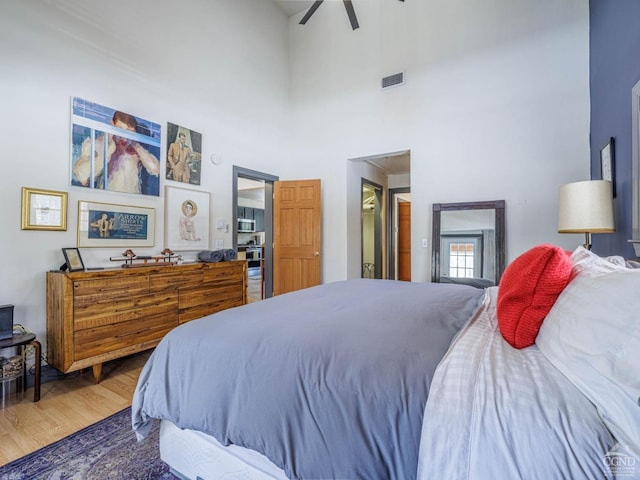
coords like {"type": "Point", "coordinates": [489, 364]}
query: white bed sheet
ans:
{"type": "Point", "coordinates": [195, 455]}
{"type": "Point", "coordinates": [501, 413]}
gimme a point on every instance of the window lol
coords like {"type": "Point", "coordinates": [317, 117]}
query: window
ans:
{"type": "Point", "coordinates": [463, 256]}
{"type": "Point", "coordinates": [461, 260]}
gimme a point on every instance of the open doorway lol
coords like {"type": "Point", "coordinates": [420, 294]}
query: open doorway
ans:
{"type": "Point", "coordinates": [253, 228]}
{"type": "Point", "coordinates": [400, 233]}
{"type": "Point", "coordinates": [371, 229]}
{"type": "Point", "coordinates": [392, 174]}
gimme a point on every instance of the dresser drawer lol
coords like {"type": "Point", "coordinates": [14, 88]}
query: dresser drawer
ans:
{"type": "Point", "coordinates": [175, 280]}
{"type": "Point", "coordinates": [223, 275]}
{"type": "Point", "coordinates": [114, 311]}
{"type": "Point", "coordinates": [95, 341]}
{"type": "Point", "coordinates": [111, 287]}
{"type": "Point", "coordinates": [200, 302]}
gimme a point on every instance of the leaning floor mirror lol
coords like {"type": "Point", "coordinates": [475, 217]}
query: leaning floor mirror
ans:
{"type": "Point", "coordinates": [468, 243]}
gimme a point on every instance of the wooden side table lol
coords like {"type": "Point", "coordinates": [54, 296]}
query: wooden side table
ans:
{"type": "Point", "coordinates": [22, 340]}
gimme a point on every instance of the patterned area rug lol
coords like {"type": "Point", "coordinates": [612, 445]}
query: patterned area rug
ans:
{"type": "Point", "coordinates": [105, 450]}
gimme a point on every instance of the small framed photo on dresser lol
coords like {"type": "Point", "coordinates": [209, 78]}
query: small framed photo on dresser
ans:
{"type": "Point", "coordinates": [72, 260]}
{"type": "Point", "coordinates": [607, 164]}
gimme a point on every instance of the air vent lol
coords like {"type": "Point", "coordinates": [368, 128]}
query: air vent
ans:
{"type": "Point", "coordinates": [393, 80]}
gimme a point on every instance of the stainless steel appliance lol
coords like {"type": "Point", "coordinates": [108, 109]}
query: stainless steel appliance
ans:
{"type": "Point", "coordinates": [254, 257]}
{"type": "Point", "coordinates": [246, 225]}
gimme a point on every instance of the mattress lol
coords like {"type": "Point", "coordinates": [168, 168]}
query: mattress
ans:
{"type": "Point", "coordinates": [196, 455]}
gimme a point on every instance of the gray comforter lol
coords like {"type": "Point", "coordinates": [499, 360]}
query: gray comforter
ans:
{"type": "Point", "coordinates": [328, 382]}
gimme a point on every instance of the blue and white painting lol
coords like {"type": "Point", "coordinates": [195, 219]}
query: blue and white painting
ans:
{"type": "Point", "coordinates": [128, 161]}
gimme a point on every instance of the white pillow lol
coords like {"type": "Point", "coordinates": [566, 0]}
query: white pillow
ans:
{"type": "Point", "coordinates": [585, 262]}
{"type": "Point", "coordinates": [592, 335]}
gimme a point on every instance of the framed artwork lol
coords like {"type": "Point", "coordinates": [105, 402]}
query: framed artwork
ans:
{"type": "Point", "coordinates": [43, 209]}
{"type": "Point", "coordinates": [607, 164]}
{"type": "Point", "coordinates": [73, 260]}
{"type": "Point", "coordinates": [113, 150]}
{"type": "Point", "coordinates": [108, 225]}
{"type": "Point", "coordinates": [186, 224]}
{"type": "Point", "coordinates": [184, 154]}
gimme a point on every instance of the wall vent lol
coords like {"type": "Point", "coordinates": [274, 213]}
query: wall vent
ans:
{"type": "Point", "coordinates": [393, 80]}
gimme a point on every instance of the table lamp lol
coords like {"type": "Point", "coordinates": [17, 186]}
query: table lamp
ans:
{"type": "Point", "coordinates": [586, 207]}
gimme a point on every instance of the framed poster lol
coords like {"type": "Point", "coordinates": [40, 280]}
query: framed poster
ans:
{"type": "Point", "coordinates": [186, 224]}
{"type": "Point", "coordinates": [108, 225]}
{"type": "Point", "coordinates": [113, 150]}
{"type": "Point", "coordinates": [184, 154]}
{"type": "Point", "coordinates": [43, 209]}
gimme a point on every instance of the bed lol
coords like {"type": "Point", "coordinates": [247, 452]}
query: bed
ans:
{"type": "Point", "coordinates": [474, 282]}
{"type": "Point", "coordinates": [377, 379]}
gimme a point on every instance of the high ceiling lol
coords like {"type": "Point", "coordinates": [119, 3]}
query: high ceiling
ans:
{"type": "Point", "coordinates": [291, 7]}
{"type": "Point", "coordinates": [395, 164]}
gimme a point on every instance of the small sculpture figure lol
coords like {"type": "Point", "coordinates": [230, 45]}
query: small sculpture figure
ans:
{"type": "Point", "coordinates": [131, 260]}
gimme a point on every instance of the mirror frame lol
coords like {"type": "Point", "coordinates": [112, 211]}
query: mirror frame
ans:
{"type": "Point", "coordinates": [438, 208]}
{"type": "Point", "coordinates": [635, 168]}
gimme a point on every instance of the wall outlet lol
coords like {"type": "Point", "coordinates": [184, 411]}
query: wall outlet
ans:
{"type": "Point", "coordinates": [219, 244]}
{"type": "Point", "coordinates": [425, 243]}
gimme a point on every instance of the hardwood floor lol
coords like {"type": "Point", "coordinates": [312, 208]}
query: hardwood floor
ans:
{"type": "Point", "coordinates": [73, 402]}
{"type": "Point", "coordinates": [66, 406]}
{"type": "Point", "coordinates": [255, 289]}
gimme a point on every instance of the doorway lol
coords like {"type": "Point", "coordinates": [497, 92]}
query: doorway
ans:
{"type": "Point", "coordinates": [392, 173]}
{"type": "Point", "coordinates": [371, 229]}
{"type": "Point", "coordinates": [297, 235]}
{"type": "Point", "coordinates": [400, 233]}
{"type": "Point", "coordinates": [253, 228]}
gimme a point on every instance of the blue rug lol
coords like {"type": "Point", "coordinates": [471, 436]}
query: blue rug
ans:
{"type": "Point", "coordinates": [105, 450]}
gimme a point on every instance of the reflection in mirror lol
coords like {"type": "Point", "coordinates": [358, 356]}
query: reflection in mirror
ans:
{"type": "Point", "coordinates": [371, 229]}
{"type": "Point", "coordinates": [468, 243]}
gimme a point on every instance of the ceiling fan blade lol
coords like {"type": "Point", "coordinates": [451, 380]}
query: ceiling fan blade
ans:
{"type": "Point", "coordinates": [311, 11]}
{"type": "Point", "coordinates": [351, 13]}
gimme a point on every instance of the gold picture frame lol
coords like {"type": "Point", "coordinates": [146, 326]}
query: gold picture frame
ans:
{"type": "Point", "coordinates": [43, 209]}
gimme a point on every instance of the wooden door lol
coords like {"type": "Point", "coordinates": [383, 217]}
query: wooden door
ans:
{"type": "Point", "coordinates": [296, 235]}
{"type": "Point", "coordinates": [404, 241]}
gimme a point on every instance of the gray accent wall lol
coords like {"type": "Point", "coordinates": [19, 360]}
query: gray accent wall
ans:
{"type": "Point", "coordinates": [614, 39]}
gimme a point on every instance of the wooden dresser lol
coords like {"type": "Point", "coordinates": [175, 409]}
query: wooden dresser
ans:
{"type": "Point", "coordinates": [97, 316]}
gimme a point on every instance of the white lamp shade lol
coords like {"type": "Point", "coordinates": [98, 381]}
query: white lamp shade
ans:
{"type": "Point", "coordinates": [586, 207]}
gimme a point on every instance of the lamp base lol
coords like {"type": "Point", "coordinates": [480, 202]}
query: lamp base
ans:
{"type": "Point", "coordinates": [587, 240]}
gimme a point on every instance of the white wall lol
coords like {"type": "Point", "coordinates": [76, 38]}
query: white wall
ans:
{"type": "Point", "coordinates": [217, 67]}
{"type": "Point", "coordinates": [496, 96]}
{"type": "Point", "coordinates": [495, 106]}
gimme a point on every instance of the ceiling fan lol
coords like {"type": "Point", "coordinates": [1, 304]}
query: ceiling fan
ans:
{"type": "Point", "coordinates": [348, 5]}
